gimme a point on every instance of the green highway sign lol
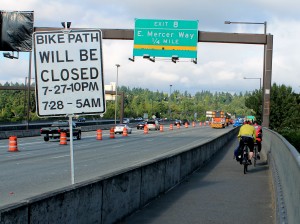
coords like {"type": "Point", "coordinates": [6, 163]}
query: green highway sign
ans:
{"type": "Point", "coordinates": [165, 38]}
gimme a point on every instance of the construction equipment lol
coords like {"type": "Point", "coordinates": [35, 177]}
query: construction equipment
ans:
{"type": "Point", "coordinates": [227, 119]}
{"type": "Point", "coordinates": [218, 119]}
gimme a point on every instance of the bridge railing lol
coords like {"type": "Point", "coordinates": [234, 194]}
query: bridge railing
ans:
{"type": "Point", "coordinates": [284, 160]}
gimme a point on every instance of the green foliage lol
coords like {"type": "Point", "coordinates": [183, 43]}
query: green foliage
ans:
{"type": "Point", "coordinates": [292, 136]}
{"type": "Point", "coordinates": [13, 104]}
{"type": "Point", "coordinates": [254, 102]}
{"type": "Point", "coordinates": [137, 101]}
{"type": "Point", "coordinates": [284, 111]}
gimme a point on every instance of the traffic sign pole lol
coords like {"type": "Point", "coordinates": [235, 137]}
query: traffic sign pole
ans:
{"type": "Point", "coordinates": [69, 76]}
{"type": "Point", "coordinates": [71, 149]}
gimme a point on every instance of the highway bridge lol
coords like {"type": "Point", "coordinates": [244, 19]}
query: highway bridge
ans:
{"type": "Point", "coordinates": [185, 175]}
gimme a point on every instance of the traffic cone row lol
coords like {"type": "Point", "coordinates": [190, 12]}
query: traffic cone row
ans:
{"type": "Point", "coordinates": [13, 145]}
{"type": "Point", "coordinates": [63, 138]}
{"type": "Point", "coordinates": [99, 134]}
{"type": "Point", "coordinates": [146, 129]}
{"type": "Point", "coordinates": [112, 132]}
{"type": "Point", "coordinates": [125, 132]}
{"type": "Point", "coordinates": [161, 128]}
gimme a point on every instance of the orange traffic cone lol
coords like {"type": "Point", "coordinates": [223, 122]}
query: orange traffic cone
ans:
{"type": "Point", "coordinates": [171, 127]}
{"type": "Point", "coordinates": [125, 132]}
{"type": "Point", "coordinates": [161, 128]}
{"type": "Point", "coordinates": [186, 125]}
{"type": "Point", "coordinates": [193, 123]}
{"type": "Point", "coordinates": [99, 134]}
{"type": "Point", "coordinates": [63, 138]}
{"type": "Point", "coordinates": [145, 129]}
{"type": "Point", "coordinates": [13, 145]}
{"type": "Point", "coordinates": [200, 124]}
{"type": "Point", "coordinates": [178, 126]}
{"type": "Point", "coordinates": [112, 132]}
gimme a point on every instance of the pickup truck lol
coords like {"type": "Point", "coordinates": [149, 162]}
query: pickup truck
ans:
{"type": "Point", "coordinates": [57, 127]}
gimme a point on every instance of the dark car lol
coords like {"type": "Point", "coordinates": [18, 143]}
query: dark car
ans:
{"type": "Point", "coordinates": [177, 121]}
{"type": "Point", "coordinates": [185, 121]}
{"type": "Point", "coordinates": [81, 119]}
{"type": "Point", "coordinates": [141, 125]}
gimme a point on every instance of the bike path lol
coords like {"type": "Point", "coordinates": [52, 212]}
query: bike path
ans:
{"type": "Point", "coordinates": [218, 193]}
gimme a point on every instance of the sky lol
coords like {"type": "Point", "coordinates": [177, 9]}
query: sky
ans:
{"type": "Point", "coordinates": [220, 68]}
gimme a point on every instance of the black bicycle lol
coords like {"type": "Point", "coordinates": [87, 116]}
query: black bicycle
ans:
{"type": "Point", "coordinates": [245, 156]}
{"type": "Point", "coordinates": [255, 153]}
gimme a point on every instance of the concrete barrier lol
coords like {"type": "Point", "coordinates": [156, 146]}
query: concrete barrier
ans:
{"type": "Point", "coordinates": [36, 132]}
{"type": "Point", "coordinates": [284, 160]}
{"type": "Point", "coordinates": [110, 198]}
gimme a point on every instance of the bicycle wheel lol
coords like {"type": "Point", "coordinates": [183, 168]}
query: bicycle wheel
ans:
{"type": "Point", "coordinates": [255, 155]}
{"type": "Point", "coordinates": [245, 168]}
{"type": "Point", "coordinates": [245, 158]}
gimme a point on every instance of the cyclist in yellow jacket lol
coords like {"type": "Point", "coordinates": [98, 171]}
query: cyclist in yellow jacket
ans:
{"type": "Point", "coordinates": [247, 135]}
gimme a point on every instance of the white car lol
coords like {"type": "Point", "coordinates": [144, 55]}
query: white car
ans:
{"type": "Point", "coordinates": [120, 128]}
{"type": "Point", "coordinates": [153, 125]}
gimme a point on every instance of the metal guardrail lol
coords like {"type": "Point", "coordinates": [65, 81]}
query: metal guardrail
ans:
{"type": "Point", "coordinates": [284, 160]}
{"type": "Point", "coordinates": [34, 130]}
{"type": "Point", "coordinates": [20, 131]}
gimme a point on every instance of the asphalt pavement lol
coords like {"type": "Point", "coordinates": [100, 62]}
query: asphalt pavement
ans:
{"type": "Point", "coordinates": [217, 193]}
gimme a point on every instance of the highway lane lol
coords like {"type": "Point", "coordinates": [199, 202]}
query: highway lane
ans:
{"type": "Point", "coordinates": [41, 166]}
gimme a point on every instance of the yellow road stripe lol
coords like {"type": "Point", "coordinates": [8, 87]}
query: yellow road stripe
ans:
{"type": "Point", "coordinates": [155, 47]}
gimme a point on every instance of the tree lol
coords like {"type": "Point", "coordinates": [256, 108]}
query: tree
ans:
{"type": "Point", "coordinates": [254, 102]}
{"type": "Point", "coordinates": [284, 108]}
{"type": "Point", "coordinates": [284, 111]}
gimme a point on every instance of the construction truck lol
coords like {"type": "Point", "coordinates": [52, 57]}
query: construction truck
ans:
{"type": "Point", "coordinates": [228, 120]}
{"type": "Point", "coordinates": [218, 119]}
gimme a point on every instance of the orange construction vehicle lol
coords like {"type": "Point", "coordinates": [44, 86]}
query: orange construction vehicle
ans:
{"type": "Point", "coordinates": [218, 119]}
{"type": "Point", "coordinates": [227, 119]}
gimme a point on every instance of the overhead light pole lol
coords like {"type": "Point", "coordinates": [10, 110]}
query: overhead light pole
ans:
{"type": "Point", "coordinates": [254, 23]}
{"type": "Point", "coordinates": [265, 32]}
{"type": "Point", "coordinates": [117, 65]}
{"type": "Point", "coordinates": [255, 78]}
{"type": "Point", "coordinates": [262, 93]}
{"type": "Point", "coordinates": [170, 103]}
{"type": "Point", "coordinates": [264, 60]}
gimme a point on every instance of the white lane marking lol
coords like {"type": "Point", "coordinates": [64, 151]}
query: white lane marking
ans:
{"type": "Point", "coordinates": [21, 144]}
{"type": "Point", "coordinates": [57, 157]}
{"type": "Point", "coordinates": [117, 146]}
{"type": "Point", "coordinates": [18, 155]}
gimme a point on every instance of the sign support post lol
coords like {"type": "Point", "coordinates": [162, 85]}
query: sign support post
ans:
{"type": "Point", "coordinates": [71, 149]}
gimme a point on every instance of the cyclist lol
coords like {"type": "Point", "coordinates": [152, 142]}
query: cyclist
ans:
{"type": "Point", "coordinates": [247, 135]}
{"type": "Point", "coordinates": [258, 131]}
